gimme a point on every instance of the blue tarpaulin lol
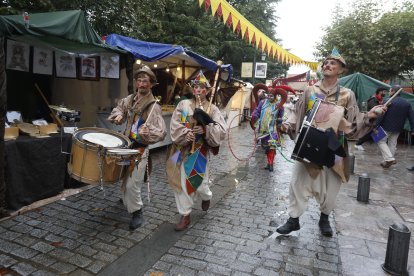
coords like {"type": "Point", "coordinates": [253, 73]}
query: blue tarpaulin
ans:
{"type": "Point", "coordinates": [165, 54]}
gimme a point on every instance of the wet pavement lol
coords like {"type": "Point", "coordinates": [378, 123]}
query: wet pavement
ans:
{"type": "Point", "coordinates": [87, 233]}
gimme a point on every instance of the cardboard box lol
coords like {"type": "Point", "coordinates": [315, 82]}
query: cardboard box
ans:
{"type": "Point", "coordinates": [11, 133]}
{"type": "Point", "coordinates": [48, 129]}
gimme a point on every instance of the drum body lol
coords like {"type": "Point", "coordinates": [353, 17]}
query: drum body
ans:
{"type": "Point", "coordinates": [88, 156]}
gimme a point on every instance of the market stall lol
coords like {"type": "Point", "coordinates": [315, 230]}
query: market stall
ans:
{"type": "Point", "coordinates": [174, 66]}
{"type": "Point", "coordinates": [43, 53]}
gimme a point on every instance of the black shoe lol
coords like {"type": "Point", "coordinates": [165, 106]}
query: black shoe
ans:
{"type": "Point", "coordinates": [137, 220]}
{"type": "Point", "coordinates": [292, 224]}
{"type": "Point", "coordinates": [270, 168]}
{"type": "Point", "coordinates": [121, 201]}
{"type": "Point", "coordinates": [324, 225]}
{"type": "Point", "coordinates": [267, 167]}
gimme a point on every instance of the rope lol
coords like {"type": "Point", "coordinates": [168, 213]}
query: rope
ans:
{"type": "Point", "coordinates": [231, 149]}
{"type": "Point", "coordinates": [273, 141]}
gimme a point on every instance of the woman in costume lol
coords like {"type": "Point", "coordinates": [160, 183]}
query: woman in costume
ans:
{"type": "Point", "coordinates": [196, 129]}
{"type": "Point", "coordinates": [268, 115]}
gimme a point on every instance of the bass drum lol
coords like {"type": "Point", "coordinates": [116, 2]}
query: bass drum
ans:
{"type": "Point", "coordinates": [87, 159]}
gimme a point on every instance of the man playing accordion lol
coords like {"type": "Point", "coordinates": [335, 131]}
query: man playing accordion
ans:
{"type": "Point", "coordinates": [316, 180]}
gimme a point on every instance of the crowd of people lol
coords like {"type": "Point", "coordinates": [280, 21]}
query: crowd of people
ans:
{"type": "Point", "coordinates": [197, 128]}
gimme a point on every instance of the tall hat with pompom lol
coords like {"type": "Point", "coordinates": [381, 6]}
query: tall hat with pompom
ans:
{"type": "Point", "coordinates": [336, 56]}
{"type": "Point", "coordinates": [200, 79]}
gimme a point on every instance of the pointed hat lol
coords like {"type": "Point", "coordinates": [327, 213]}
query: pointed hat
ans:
{"type": "Point", "coordinates": [200, 79]}
{"type": "Point", "coordinates": [336, 56]}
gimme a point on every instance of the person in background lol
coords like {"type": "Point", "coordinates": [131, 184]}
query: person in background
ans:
{"type": "Point", "coordinates": [143, 131]}
{"type": "Point", "coordinates": [268, 115]}
{"type": "Point", "coordinates": [196, 130]}
{"type": "Point", "coordinates": [377, 98]}
{"type": "Point", "coordinates": [309, 179]}
{"type": "Point", "coordinates": [187, 94]}
{"type": "Point", "coordinates": [393, 124]}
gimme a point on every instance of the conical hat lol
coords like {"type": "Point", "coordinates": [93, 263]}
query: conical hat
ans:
{"type": "Point", "coordinates": [336, 56]}
{"type": "Point", "coordinates": [200, 79]}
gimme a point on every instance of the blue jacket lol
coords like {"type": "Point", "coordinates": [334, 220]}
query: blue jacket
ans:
{"type": "Point", "coordinates": [398, 111]}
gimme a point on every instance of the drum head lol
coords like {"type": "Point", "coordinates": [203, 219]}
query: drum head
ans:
{"type": "Point", "coordinates": [103, 137]}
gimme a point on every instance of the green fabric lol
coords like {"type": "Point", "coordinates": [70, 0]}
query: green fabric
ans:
{"type": "Point", "coordinates": [64, 30]}
{"type": "Point", "coordinates": [364, 87]}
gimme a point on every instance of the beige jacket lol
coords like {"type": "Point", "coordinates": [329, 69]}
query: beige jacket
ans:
{"type": "Point", "coordinates": [131, 106]}
{"type": "Point", "coordinates": [357, 123]}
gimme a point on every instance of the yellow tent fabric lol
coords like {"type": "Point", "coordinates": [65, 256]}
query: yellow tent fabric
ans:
{"type": "Point", "coordinates": [254, 36]}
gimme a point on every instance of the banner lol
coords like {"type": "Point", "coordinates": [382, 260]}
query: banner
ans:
{"type": "Point", "coordinates": [240, 25]}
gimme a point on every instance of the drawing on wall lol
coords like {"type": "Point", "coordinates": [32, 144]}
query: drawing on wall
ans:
{"type": "Point", "coordinates": [65, 65]}
{"type": "Point", "coordinates": [42, 61]}
{"type": "Point", "coordinates": [109, 66]}
{"type": "Point", "coordinates": [17, 56]}
{"type": "Point", "coordinates": [89, 68]}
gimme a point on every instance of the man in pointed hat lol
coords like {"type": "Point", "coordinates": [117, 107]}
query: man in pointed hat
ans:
{"type": "Point", "coordinates": [311, 179]}
{"type": "Point", "coordinates": [144, 128]}
{"type": "Point", "coordinates": [196, 131]}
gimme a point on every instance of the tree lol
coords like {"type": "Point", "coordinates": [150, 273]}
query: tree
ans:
{"type": "Point", "coordinates": [180, 22]}
{"type": "Point", "coordinates": [380, 45]}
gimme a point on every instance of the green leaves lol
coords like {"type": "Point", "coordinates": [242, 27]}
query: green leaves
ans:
{"type": "Point", "coordinates": [380, 45]}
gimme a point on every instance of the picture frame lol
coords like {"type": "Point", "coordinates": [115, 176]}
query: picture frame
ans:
{"type": "Point", "coordinates": [260, 70]}
{"type": "Point", "coordinates": [89, 68]}
{"type": "Point", "coordinates": [42, 61]}
{"type": "Point", "coordinates": [65, 64]}
{"type": "Point", "coordinates": [18, 55]}
{"type": "Point", "coordinates": [110, 65]}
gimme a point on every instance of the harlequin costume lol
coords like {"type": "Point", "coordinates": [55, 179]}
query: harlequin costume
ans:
{"type": "Point", "coordinates": [268, 116]}
{"type": "Point", "coordinates": [187, 162]}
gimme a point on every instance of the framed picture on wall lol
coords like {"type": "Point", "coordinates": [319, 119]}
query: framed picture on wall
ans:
{"type": "Point", "coordinates": [88, 68]}
{"type": "Point", "coordinates": [109, 66]}
{"type": "Point", "coordinates": [65, 65]}
{"type": "Point", "coordinates": [42, 61]}
{"type": "Point", "coordinates": [260, 70]}
{"type": "Point", "coordinates": [17, 56]}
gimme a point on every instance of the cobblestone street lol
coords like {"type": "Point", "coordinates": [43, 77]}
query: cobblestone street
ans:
{"type": "Point", "coordinates": [87, 233]}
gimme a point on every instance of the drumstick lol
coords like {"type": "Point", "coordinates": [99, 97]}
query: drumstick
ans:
{"type": "Point", "coordinates": [152, 109]}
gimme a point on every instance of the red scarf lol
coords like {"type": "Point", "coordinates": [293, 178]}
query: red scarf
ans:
{"type": "Point", "coordinates": [379, 98]}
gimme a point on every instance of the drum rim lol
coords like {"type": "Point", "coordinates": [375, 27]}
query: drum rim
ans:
{"type": "Point", "coordinates": [106, 131]}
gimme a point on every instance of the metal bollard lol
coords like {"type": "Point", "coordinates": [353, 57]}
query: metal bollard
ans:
{"type": "Point", "coordinates": [351, 163]}
{"type": "Point", "coordinates": [363, 188]}
{"type": "Point", "coordinates": [398, 246]}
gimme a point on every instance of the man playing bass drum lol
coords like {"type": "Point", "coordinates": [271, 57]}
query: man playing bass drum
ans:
{"type": "Point", "coordinates": [143, 130]}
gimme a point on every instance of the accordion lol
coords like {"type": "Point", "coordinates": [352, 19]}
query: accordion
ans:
{"type": "Point", "coordinates": [316, 145]}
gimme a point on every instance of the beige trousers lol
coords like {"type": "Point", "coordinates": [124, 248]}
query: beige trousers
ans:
{"type": "Point", "coordinates": [132, 184]}
{"type": "Point", "coordinates": [324, 188]}
{"type": "Point", "coordinates": [184, 201]}
{"type": "Point", "coordinates": [388, 145]}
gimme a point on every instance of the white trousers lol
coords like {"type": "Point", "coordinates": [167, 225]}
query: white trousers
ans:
{"type": "Point", "coordinates": [388, 148]}
{"type": "Point", "coordinates": [184, 201]}
{"type": "Point", "coordinates": [324, 188]}
{"type": "Point", "coordinates": [132, 184]}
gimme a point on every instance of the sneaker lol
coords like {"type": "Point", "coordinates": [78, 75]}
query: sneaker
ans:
{"type": "Point", "coordinates": [387, 164]}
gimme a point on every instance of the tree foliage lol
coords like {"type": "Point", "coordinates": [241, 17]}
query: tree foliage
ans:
{"type": "Point", "coordinates": [378, 44]}
{"type": "Point", "coordinates": [180, 22]}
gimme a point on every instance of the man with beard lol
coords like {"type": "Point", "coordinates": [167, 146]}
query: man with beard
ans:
{"type": "Point", "coordinates": [143, 131]}
{"type": "Point", "coordinates": [313, 180]}
{"type": "Point", "coordinates": [196, 130]}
